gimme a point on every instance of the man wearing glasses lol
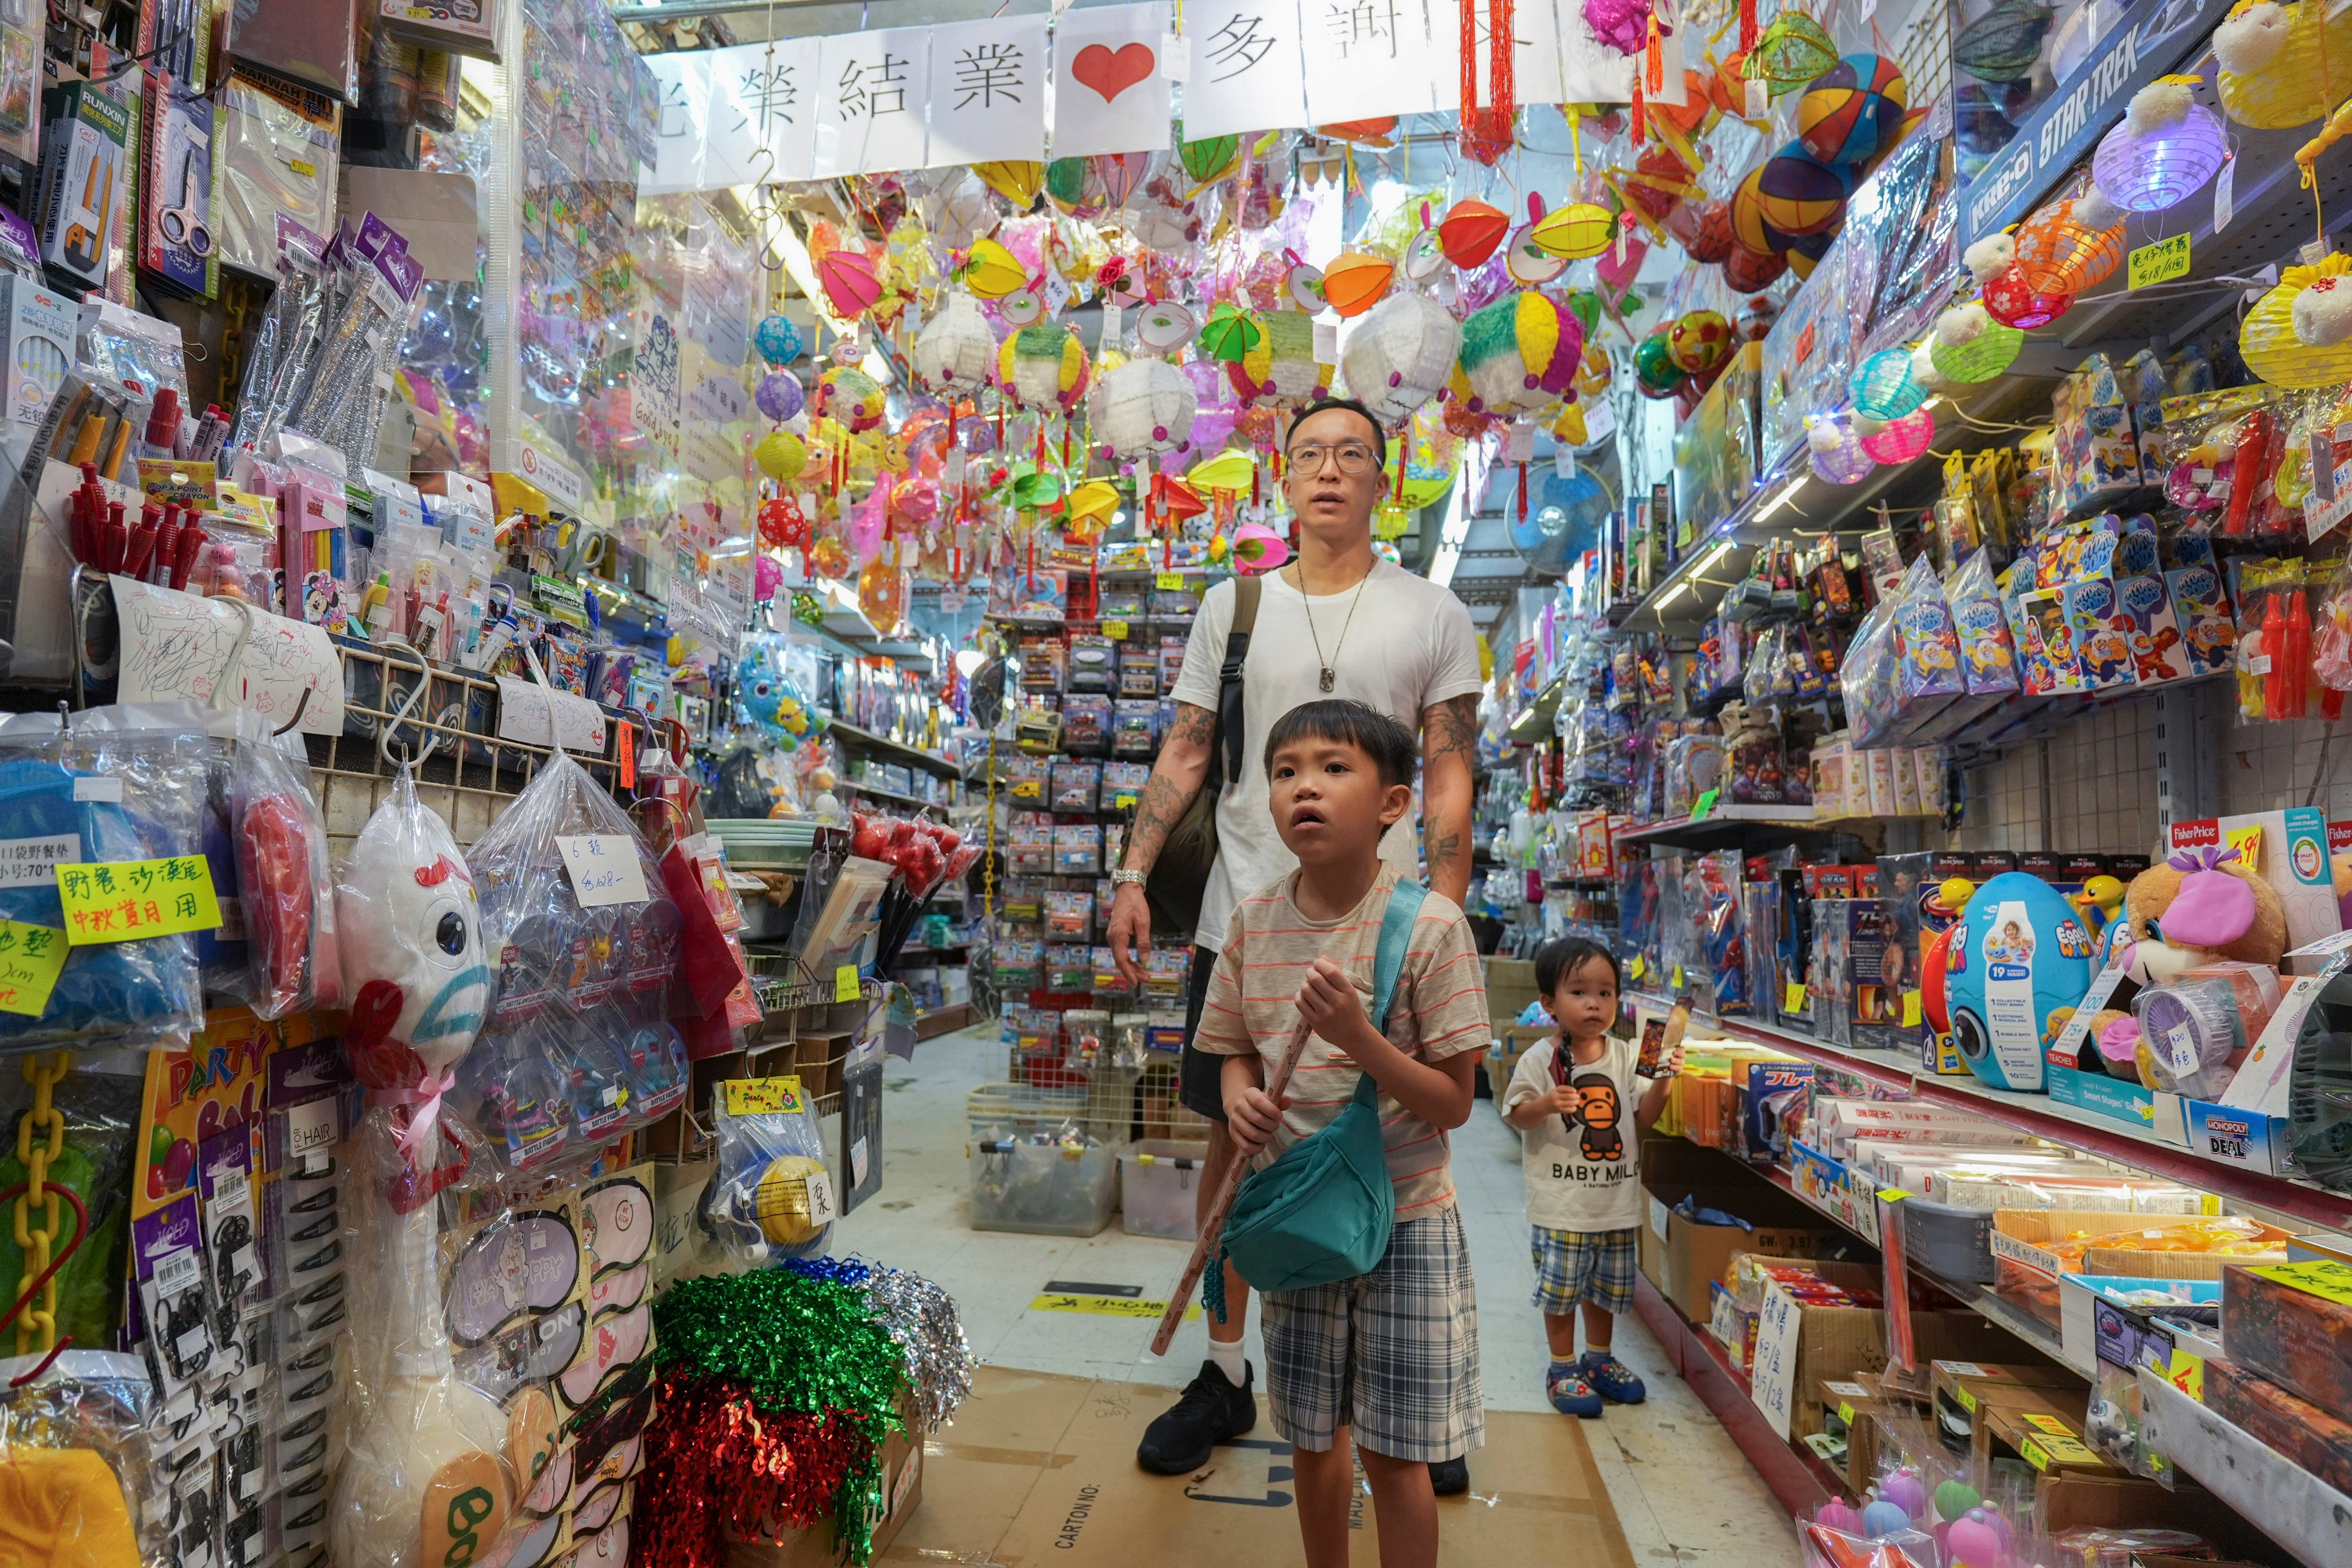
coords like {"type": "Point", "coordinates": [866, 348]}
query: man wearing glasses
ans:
{"type": "Point", "coordinates": [1339, 621]}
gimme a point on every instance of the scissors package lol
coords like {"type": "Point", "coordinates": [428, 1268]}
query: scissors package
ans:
{"type": "Point", "coordinates": [176, 201]}
{"type": "Point", "coordinates": [83, 180]}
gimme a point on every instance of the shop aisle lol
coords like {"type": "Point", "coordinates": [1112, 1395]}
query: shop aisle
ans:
{"type": "Point", "coordinates": [1679, 1487]}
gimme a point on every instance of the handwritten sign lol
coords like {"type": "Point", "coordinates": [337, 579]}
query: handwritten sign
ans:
{"type": "Point", "coordinates": [822, 1210]}
{"type": "Point", "coordinates": [1913, 1009]}
{"type": "Point", "coordinates": [762, 1096]}
{"type": "Point", "coordinates": [529, 712]}
{"type": "Point", "coordinates": [2323, 1277]}
{"type": "Point", "coordinates": [844, 983]}
{"type": "Point", "coordinates": [179, 645]}
{"type": "Point", "coordinates": [31, 958]}
{"type": "Point", "coordinates": [2165, 259]}
{"type": "Point", "coordinates": [1172, 582]}
{"type": "Point", "coordinates": [1792, 997]}
{"type": "Point", "coordinates": [1115, 630]}
{"type": "Point", "coordinates": [1775, 1370]}
{"type": "Point", "coordinates": [604, 869]}
{"type": "Point", "coordinates": [128, 901]}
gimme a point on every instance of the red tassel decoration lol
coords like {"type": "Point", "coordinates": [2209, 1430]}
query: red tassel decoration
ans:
{"type": "Point", "coordinates": [1747, 32]}
{"type": "Point", "coordinates": [1523, 492]}
{"type": "Point", "coordinates": [1640, 119]}
{"type": "Point", "coordinates": [1657, 57]}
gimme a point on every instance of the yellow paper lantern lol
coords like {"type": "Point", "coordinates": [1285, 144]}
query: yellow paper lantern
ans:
{"type": "Point", "coordinates": [991, 272]}
{"type": "Point", "coordinates": [2267, 340]}
{"type": "Point", "coordinates": [1016, 180]}
{"type": "Point", "coordinates": [2283, 66]}
{"type": "Point", "coordinates": [780, 456]}
{"type": "Point", "coordinates": [1228, 471]}
{"type": "Point", "coordinates": [1575, 231]}
{"type": "Point", "coordinates": [1091, 503]}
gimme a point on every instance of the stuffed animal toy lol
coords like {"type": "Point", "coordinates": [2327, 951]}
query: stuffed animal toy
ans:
{"type": "Point", "coordinates": [2193, 908]}
{"type": "Point", "coordinates": [2339, 870]}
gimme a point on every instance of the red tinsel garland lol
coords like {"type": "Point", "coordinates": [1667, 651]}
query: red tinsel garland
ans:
{"type": "Point", "coordinates": [715, 1464]}
{"type": "Point", "coordinates": [1488, 132]}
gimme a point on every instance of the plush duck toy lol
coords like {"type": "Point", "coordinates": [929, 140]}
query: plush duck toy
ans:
{"type": "Point", "coordinates": [425, 1480]}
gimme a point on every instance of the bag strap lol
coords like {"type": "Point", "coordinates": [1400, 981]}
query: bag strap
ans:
{"type": "Point", "coordinates": [1388, 963]}
{"type": "Point", "coordinates": [1225, 759]}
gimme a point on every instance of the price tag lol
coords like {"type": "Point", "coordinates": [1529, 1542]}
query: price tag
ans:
{"type": "Point", "coordinates": [844, 983]}
{"type": "Point", "coordinates": [1845, 1412]}
{"type": "Point", "coordinates": [761, 1096]}
{"type": "Point", "coordinates": [2059, 1444]}
{"type": "Point", "coordinates": [125, 901]}
{"type": "Point", "coordinates": [1639, 967]}
{"type": "Point", "coordinates": [820, 1198]}
{"type": "Point", "coordinates": [2326, 1278]}
{"type": "Point", "coordinates": [2031, 1452]}
{"type": "Point", "coordinates": [90, 789]}
{"type": "Point", "coordinates": [2225, 193]}
{"type": "Point", "coordinates": [231, 1188]}
{"type": "Point", "coordinates": [1115, 630]}
{"type": "Point", "coordinates": [1703, 805]}
{"type": "Point", "coordinates": [624, 752]}
{"type": "Point", "coordinates": [1967, 1401]}
{"type": "Point", "coordinates": [1793, 998]}
{"type": "Point", "coordinates": [2165, 260]}
{"type": "Point", "coordinates": [1911, 1010]}
{"type": "Point", "coordinates": [31, 958]}
{"type": "Point", "coordinates": [1677, 980]}
{"type": "Point", "coordinates": [2186, 1373]}
{"type": "Point", "coordinates": [604, 869]}
{"type": "Point", "coordinates": [1171, 581]}
{"type": "Point", "coordinates": [32, 862]}
{"type": "Point", "coordinates": [1892, 1195]}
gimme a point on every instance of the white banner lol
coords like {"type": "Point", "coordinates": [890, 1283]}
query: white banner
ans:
{"type": "Point", "coordinates": [740, 116]}
{"type": "Point", "coordinates": [1247, 70]}
{"type": "Point", "coordinates": [1110, 86]}
{"type": "Point", "coordinates": [872, 90]}
{"type": "Point", "coordinates": [988, 91]}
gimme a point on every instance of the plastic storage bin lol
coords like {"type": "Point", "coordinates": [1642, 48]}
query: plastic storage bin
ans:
{"type": "Point", "coordinates": [1044, 1189]}
{"type": "Point", "coordinates": [1952, 1244]}
{"type": "Point", "coordinates": [1160, 1188]}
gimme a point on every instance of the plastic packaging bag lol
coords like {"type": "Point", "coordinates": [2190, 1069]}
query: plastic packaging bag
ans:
{"type": "Point", "coordinates": [85, 1437]}
{"type": "Point", "coordinates": [772, 1197]}
{"type": "Point", "coordinates": [284, 883]}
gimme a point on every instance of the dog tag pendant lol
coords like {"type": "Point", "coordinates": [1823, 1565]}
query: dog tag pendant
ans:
{"type": "Point", "coordinates": [1326, 680]}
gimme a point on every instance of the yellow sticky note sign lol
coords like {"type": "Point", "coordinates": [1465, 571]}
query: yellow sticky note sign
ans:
{"type": "Point", "coordinates": [1639, 967]}
{"type": "Point", "coordinates": [1845, 1412]}
{"type": "Point", "coordinates": [1896, 1195]}
{"type": "Point", "coordinates": [1911, 1014]}
{"type": "Point", "coordinates": [2186, 1373]}
{"type": "Point", "coordinates": [1171, 581]}
{"type": "Point", "coordinates": [127, 900]}
{"type": "Point", "coordinates": [2058, 1440]}
{"type": "Point", "coordinates": [844, 983]}
{"type": "Point", "coordinates": [1115, 630]}
{"type": "Point", "coordinates": [31, 958]}
{"type": "Point", "coordinates": [2323, 1277]}
{"type": "Point", "coordinates": [2031, 1452]}
{"type": "Point", "coordinates": [1679, 977]}
{"type": "Point", "coordinates": [1967, 1401]}
{"type": "Point", "coordinates": [761, 1096]}
{"type": "Point", "coordinates": [2166, 259]}
{"type": "Point", "coordinates": [1793, 998]}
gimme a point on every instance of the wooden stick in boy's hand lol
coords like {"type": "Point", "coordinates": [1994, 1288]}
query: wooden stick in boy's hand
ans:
{"type": "Point", "coordinates": [1212, 1231]}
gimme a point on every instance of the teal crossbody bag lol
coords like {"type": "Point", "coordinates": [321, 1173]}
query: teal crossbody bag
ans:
{"type": "Point", "coordinates": [1323, 1210]}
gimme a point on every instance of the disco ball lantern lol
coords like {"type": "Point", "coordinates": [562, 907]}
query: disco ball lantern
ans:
{"type": "Point", "coordinates": [2164, 151]}
{"type": "Point", "coordinates": [1699, 342]}
{"type": "Point", "coordinates": [2009, 299]}
{"type": "Point", "coordinates": [780, 396]}
{"type": "Point", "coordinates": [2064, 249]}
{"type": "Point", "coordinates": [1902, 439]}
{"type": "Point", "coordinates": [779, 340]}
{"type": "Point", "coordinates": [1837, 453]}
{"type": "Point", "coordinates": [1883, 389]}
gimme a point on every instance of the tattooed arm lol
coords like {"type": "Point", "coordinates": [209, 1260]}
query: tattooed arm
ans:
{"type": "Point", "coordinates": [1176, 778]}
{"type": "Point", "coordinates": [1449, 743]}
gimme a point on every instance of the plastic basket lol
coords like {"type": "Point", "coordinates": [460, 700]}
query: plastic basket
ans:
{"type": "Point", "coordinates": [1160, 1188]}
{"type": "Point", "coordinates": [1044, 1189]}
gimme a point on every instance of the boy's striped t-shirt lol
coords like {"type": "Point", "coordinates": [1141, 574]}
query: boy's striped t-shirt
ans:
{"type": "Point", "coordinates": [1439, 1011]}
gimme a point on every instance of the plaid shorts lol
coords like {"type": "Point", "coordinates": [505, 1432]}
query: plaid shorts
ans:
{"type": "Point", "coordinates": [1392, 1354]}
{"type": "Point", "coordinates": [1595, 1266]}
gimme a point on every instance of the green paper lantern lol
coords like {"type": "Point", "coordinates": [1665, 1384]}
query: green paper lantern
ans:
{"type": "Point", "coordinates": [1230, 334]}
{"type": "Point", "coordinates": [1065, 181]}
{"type": "Point", "coordinates": [1210, 157]}
{"type": "Point", "coordinates": [1986, 355]}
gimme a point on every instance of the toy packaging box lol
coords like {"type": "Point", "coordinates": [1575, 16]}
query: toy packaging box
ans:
{"type": "Point", "coordinates": [2158, 651]}
{"type": "Point", "coordinates": [2207, 634]}
{"type": "Point", "coordinates": [2289, 848]}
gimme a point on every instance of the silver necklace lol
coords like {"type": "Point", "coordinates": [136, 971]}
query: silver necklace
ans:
{"type": "Point", "coordinates": [1329, 678]}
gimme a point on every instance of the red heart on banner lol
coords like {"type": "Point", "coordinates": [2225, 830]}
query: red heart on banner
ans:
{"type": "Point", "coordinates": [1110, 74]}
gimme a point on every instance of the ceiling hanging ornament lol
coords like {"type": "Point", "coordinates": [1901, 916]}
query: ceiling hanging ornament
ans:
{"type": "Point", "coordinates": [2281, 66]}
{"type": "Point", "coordinates": [1883, 389]}
{"type": "Point", "coordinates": [780, 396]}
{"type": "Point", "coordinates": [777, 340]}
{"type": "Point", "coordinates": [1423, 256]}
{"type": "Point", "coordinates": [1487, 128]}
{"type": "Point", "coordinates": [1043, 368]}
{"type": "Point", "coordinates": [847, 393]}
{"type": "Point", "coordinates": [1401, 355]}
{"type": "Point", "coordinates": [990, 271]}
{"type": "Point", "coordinates": [2005, 42]}
{"type": "Point", "coordinates": [1573, 232]}
{"type": "Point", "coordinates": [1970, 346]}
{"type": "Point", "coordinates": [2071, 245]}
{"type": "Point", "coordinates": [1164, 326]}
{"type": "Point", "coordinates": [1281, 369]}
{"type": "Point", "coordinates": [1900, 440]}
{"type": "Point", "coordinates": [2276, 352]}
{"type": "Point", "coordinates": [1355, 281]}
{"type": "Point", "coordinates": [782, 455]}
{"type": "Point", "coordinates": [956, 351]}
{"type": "Point", "coordinates": [1304, 284]}
{"type": "Point", "coordinates": [1471, 232]}
{"type": "Point", "coordinates": [1209, 158]}
{"type": "Point", "coordinates": [1791, 51]}
{"type": "Point", "coordinates": [1519, 355]}
{"type": "Point", "coordinates": [1142, 408]}
{"type": "Point", "coordinates": [1836, 451]}
{"type": "Point", "coordinates": [2163, 151]}
{"type": "Point", "coordinates": [1067, 181]}
{"type": "Point", "coordinates": [1230, 333]}
{"type": "Point", "coordinates": [850, 278]}
{"type": "Point", "coordinates": [1018, 181]}
{"type": "Point", "coordinates": [2007, 298]}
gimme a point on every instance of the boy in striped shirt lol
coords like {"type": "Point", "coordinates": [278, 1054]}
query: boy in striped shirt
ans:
{"type": "Point", "coordinates": [1390, 1356]}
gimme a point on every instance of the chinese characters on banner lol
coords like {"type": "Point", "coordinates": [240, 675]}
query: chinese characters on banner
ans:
{"type": "Point", "coordinates": [1110, 86]}
{"type": "Point", "coordinates": [912, 97]}
{"type": "Point", "coordinates": [988, 91]}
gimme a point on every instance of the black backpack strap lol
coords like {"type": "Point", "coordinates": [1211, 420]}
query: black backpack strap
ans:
{"type": "Point", "coordinates": [1225, 759]}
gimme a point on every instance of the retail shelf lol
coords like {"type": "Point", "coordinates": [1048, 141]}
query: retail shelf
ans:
{"type": "Point", "coordinates": [867, 739]}
{"type": "Point", "coordinates": [944, 1021]}
{"type": "Point", "coordinates": [859, 786]}
{"type": "Point", "coordinates": [2287, 1503]}
{"type": "Point", "coordinates": [1727, 823]}
{"type": "Point", "coordinates": [1798, 1479]}
{"type": "Point", "coordinates": [2026, 1327]}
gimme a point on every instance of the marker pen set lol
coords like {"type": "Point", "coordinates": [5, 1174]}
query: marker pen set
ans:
{"type": "Point", "coordinates": [160, 547]}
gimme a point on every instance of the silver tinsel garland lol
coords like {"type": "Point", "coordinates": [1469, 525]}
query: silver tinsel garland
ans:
{"type": "Point", "coordinates": [923, 1319]}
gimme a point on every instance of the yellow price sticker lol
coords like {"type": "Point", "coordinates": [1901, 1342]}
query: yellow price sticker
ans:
{"type": "Point", "coordinates": [2059, 1441]}
{"type": "Point", "coordinates": [2323, 1277]}
{"type": "Point", "coordinates": [127, 900]}
{"type": "Point", "coordinates": [1911, 1014]}
{"type": "Point", "coordinates": [1967, 1401]}
{"type": "Point", "coordinates": [31, 958]}
{"type": "Point", "coordinates": [1679, 977]}
{"type": "Point", "coordinates": [1115, 630]}
{"type": "Point", "coordinates": [1845, 1412]}
{"type": "Point", "coordinates": [844, 983]}
{"type": "Point", "coordinates": [2031, 1452]}
{"type": "Point", "coordinates": [1171, 581]}
{"type": "Point", "coordinates": [2166, 259]}
{"type": "Point", "coordinates": [1639, 967]}
{"type": "Point", "coordinates": [2186, 1373]}
{"type": "Point", "coordinates": [1892, 1195]}
{"type": "Point", "coordinates": [761, 1096]}
{"type": "Point", "coordinates": [1793, 998]}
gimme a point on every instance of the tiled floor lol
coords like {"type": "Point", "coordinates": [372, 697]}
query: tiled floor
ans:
{"type": "Point", "coordinates": [1683, 1493]}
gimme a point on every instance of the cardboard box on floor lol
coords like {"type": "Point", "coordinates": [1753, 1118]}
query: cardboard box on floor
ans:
{"type": "Point", "coordinates": [1511, 1042]}
{"type": "Point", "coordinates": [1510, 986]}
{"type": "Point", "coordinates": [815, 1547]}
{"type": "Point", "coordinates": [1684, 1260]}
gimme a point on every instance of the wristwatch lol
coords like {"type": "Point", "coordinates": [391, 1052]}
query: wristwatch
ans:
{"type": "Point", "coordinates": [1128, 879]}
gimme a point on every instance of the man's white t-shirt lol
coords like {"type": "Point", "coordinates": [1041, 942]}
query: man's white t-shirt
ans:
{"type": "Point", "coordinates": [1410, 645]}
{"type": "Point", "coordinates": [1583, 1177]}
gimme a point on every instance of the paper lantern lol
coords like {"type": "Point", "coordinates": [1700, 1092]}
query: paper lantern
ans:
{"type": "Point", "coordinates": [1164, 326]}
{"type": "Point", "coordinates": [1471, 232]}
{"type": "Point", "coordinates": [2005, 42]}
{"type": "Point", "coordinates": [850, 395]}
{"type": "Point", "coordinates": [1746, 270]}
{"type": "Point", "coordinates": [1798, 195]}
{"type": "Point", "coordinates": [779, 340]}
{"type": "Point", "coordinates": [1655, 373]}
{"type": "Point", "coordinates": [1568, 425]}
{"type": "Point", "coordinates": [2007, 298]}
{"type": "Point", "coordinates": [1699, 342]}
{"type": "Point", "coordinates": [1208, 158]}
{"type": "Point", "coordinates": [1281, 368]}
{"type": "Point", "coordinates": [1231, 469]}
{"type": "Point", "coordinates": [1727, 88]}
{"type": "Point", "coordinates": [992, 271]}
{"type": "Point", "coordinates": [1530, 265]}
{"type": "Point", "coordinates": [1882, 385]}
{"type": "Point", "coordinates": [1230, 333]}
{"type": "Point", "coordinates": [2165, 149]}
{"type": "Point", "coordinates": [1576, 230]}
{"type": "Point", "coordinates": [2267, 340]}
{"type": "Point", "coordinates": [780, 456]}
{"type": "Point", "coordinates": [1016, 180]}
{"type": "Point", "coordinates": [1854, 112]}
{"type": "Point", "coordinates": [1970, 346]}
{"type": "Point", "coordinates": [956, 349]}
{"type": "Point", "coordinates": [1837, 454]}
{"type": "Point", "coordinates": [1258, 549]}
{"type": "Point", "coordinates": [1120, 175]}
{"type": "Point", "coordinates": [1043, 366]}
{"type": "Point", "coordinates": [1901, 440]}
{"type": "Point", "coordinates": [2283, 66]}
{"type": "Point", "coordinates": [1355, 282]}
{"type": "Point", "coordinates": [1142, 408]}
{"type": "Point", "coordinates": [2063, 248]}
{"type": "Point", "coordinates": [780, 396]}
{"type": "Point", "coordinates": [1518, 354]}
{"type": "Point", "coordinates": [1659, 182]}
{"type": "Point", "coordinates": [1710, 240]}
{"type": "Point", "coordinates": [1065, 182]}
{"type": "Point", "coordinates": [1092, 503]}
{"type": "Point", "coordinates": [2322, 312]}
{"type": "Point", "coordinates": [1791, 51]}
{"type": "Point", "coordinates": [882, 596]}
{"type": "Point", "coordinates": [850, 281]}
{"type": "Point", "coordinates": [1401, 355]}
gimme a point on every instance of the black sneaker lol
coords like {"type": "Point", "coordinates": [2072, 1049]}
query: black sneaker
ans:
{"type": "Point", "coordinates": [1212, 1411]}
{"type": "Point", "coordinates": [1449, 1477]}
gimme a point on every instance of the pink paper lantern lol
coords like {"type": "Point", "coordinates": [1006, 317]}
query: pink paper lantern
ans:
{"type": "Point", "coordinates": [1901, 439]}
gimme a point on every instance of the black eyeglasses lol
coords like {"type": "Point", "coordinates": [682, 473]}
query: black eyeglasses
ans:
{"type": "Point", "coordinates": [1354, 457]}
